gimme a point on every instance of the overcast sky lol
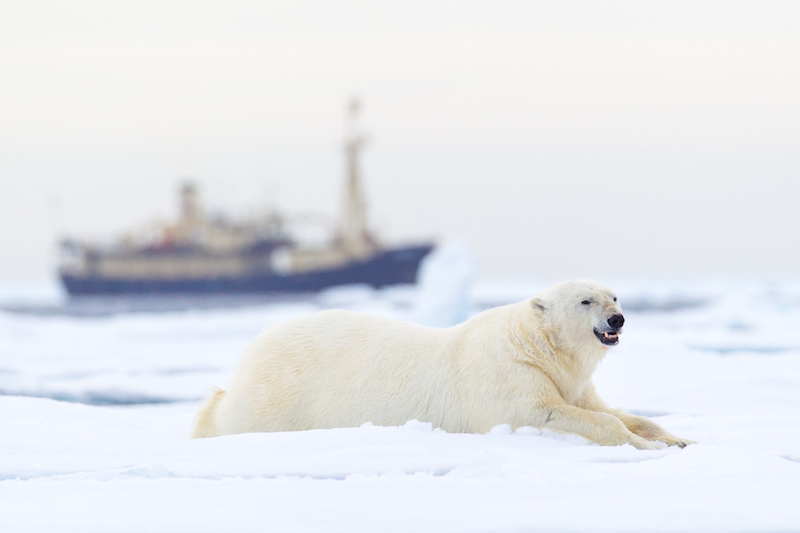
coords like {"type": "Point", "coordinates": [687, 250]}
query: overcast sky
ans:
{"type": "Point", "coordinates": [558, 139]}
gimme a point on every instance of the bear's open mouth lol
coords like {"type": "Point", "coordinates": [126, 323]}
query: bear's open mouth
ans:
{"type": "Point", "coordinates": [609, 338]}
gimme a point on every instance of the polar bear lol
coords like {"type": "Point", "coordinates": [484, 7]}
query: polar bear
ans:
{"type": "Point", "coordinates": [525, 364]}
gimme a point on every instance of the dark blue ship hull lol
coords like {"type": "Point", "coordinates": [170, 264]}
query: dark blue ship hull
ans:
{"type": "Point", "coordinates": [389, 267]}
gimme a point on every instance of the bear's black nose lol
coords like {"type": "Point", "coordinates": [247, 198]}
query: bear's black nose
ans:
{"type": "Point", "coordinates": [616, 321]}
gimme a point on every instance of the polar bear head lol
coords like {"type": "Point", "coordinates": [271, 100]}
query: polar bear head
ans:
{"type": "Point", "coordinates": [580, 315]}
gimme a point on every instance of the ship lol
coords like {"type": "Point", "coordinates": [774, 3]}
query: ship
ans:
{"type": "Point", "coordinates": [200, 254]}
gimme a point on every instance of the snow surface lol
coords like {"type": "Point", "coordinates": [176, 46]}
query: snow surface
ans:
{"type": "Point", "coordinates": [717, 362]}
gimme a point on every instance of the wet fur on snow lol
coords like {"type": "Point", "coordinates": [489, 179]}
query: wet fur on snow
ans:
{"type": "Point", "coordinates": [525, 364]}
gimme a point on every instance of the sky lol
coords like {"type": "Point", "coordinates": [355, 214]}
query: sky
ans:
{"type": "Point", "coordinates": [557, 139]}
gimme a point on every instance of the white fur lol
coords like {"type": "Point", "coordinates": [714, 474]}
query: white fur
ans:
{"type": "Point", "coordinates": [523, 364]}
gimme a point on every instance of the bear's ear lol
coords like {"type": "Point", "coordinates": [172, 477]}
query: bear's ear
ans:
{"type": "Point", "coordinates": [538, 305]}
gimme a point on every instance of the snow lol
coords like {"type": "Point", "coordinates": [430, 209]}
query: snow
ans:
{"type": "Point", "coordinates": [715, 361]}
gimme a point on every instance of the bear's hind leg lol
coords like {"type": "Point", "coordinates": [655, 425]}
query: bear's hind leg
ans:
{"type": "Point", "coordinates": [205, 424]}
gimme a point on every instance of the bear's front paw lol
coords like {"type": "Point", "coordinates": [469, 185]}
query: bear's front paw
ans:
{"type": "Point", "coordinates": [672, 440]}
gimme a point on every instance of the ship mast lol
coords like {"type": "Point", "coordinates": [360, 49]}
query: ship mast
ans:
{"type": "Point", "coordinates": [190, 203]}
{"type": "Point", "coordinates": [353, 234]}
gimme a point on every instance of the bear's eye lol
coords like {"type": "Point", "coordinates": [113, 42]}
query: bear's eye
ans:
{"type": "Point", "coordinates": [615, 298]}
{"type": "Point", "coordinates": [586, 302]}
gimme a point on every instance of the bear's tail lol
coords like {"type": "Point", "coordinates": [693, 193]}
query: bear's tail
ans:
{"type": "Point", "coordinates": [205, 424]}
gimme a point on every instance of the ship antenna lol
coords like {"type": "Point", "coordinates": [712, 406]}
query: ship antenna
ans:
{"type": "Point", "coordinates": [353, 234]}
